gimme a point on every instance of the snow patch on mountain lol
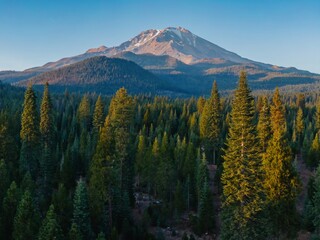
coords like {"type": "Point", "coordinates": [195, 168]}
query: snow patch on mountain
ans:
{"type": "Point", "coordinates": [175, 31]}
{"type": "Point", "coordinates": [147, 38]}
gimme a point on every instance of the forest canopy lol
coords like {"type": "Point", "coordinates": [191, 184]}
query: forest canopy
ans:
{"type": "Point", "coordinates": [88, 166]}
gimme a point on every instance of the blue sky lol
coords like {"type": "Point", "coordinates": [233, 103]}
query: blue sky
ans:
{"type": "Point", "coordinates": [283, 32]}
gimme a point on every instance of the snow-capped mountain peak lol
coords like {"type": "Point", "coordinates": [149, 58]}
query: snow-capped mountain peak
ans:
{"type": "Point", "coordinates": [176, 42]}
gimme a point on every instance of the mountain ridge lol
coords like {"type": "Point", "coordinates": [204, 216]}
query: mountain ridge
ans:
{"type": "Point", "coordinates": [167, 41]}
{"type": "Point", "coordinates": [180, 58]}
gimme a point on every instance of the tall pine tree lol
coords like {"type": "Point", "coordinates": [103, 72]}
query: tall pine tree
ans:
{"type": "Point", "coordinates": [206, 211]}
{"type": "Point", "coordinates": [26, 220]}
{"type": "Point", "coordinates": [121, 118]}
{"type": "Point", "coordinates": [210, 123]}
{"type": "Point", "coordinates": [299, 124]}
{"type": "Point", "coordinates": [84, 112]}
{"type": "Point", "coordinates": [281, 180]}
{"type": "Point", "coordinates": [81, 215]}
{"type": "Point", "coordinates": [50, 228]}
{"type": "Point", "coordinates": [47, 163]}
{"type": "Point", "coordinates": [30, 136]}
{"type": "Point", "coordinates": [241, 177]}
{"type": "Point", "coordinates": [264, 125]}
{"type": "Point", "coordinates": [141, 164]}
{"type": "Point", "coordinates": [98, 115]}
{"type": "Point", "coordinates": [9, 207]}
{"type": "Point", "coordinates": [101, 179]}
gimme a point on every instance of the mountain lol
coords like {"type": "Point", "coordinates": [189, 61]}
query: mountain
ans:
{"type": "Point", "coordinates": [99, 74]}
{"type": "Point", "coordinates": [178, 43]}
{"type": "Point", "coordinates": [182, 61]}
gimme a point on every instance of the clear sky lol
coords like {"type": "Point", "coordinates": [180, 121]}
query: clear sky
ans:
{"type": "Point", "coordinates": [281, 32]}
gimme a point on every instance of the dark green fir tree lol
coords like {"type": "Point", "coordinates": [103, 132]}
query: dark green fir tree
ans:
{"type": "Point", "coordinates": [81, 215]}
{"type": "Point", "coordinates": [210, 123]}
{"type": "Point", "coordinates": [47, 162]}
{"type": "Point", "coordinates": [26, 220]}
{"type": "Point", "coordinates": [50, 228]}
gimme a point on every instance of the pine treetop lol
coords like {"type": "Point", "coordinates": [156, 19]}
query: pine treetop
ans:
{"type": "Point", "coordinates": [278, 120]}
{"type": "Point", "coordinates": [46, 117]}
{"type": "Point", "coordinates": [29, 119]}
{"type": "Point", "coordinates": [98, 114]}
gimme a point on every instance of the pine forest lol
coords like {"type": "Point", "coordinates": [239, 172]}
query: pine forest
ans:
{"type": "Point", "coordinates": [77, 166]}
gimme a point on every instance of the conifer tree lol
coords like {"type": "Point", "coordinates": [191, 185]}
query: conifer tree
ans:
{"type": "Point", "coordinates": [98, 118]}
{"type": "Point", "coordinates": [202, 175]}
{"type": "Point", "coordinates": [100, 181]}
{"type": "Point", "coordinates": [146, 117]}
{"type": "Point", "coordinates": [46, 118]}
{"type": "Point", "coordinates": [121, 118]}
{"type": "Point", "coordinates": [68, 168]}
{"type": "Point", "coordinates": [47, 165]}
{"type": "Point", "coordinates": [299, 124]}
{"type": "Point", "coordinates": [84, 112]}
{"type": "Point", "coordinates": [189, 172]}
{"type": "Point", "coordinates": [84, 152]}
{"type": "Point", "coordinates": [278, 120]}
{"type": "Point", "coordinates": [314, 152]}
{"type": "Point", "coordinates": [200, 104]}
{"type": "Point", "coordinates": [81, 215]}
{"type": "Point", "coordinates": [74, 233]}
{"type": "Point", "coordinates": [206, 211]}
{"type": "Point", "coordinates": [112, 168]}
{"type": "Point", "coordinates": [281, 181]}
{"type": "Point", "coordinates": [210, 122]}
{"type": "Point", "coordinates": [63, 207]}
{"type": "Point", "coordinates": [154, 161]}
{"type": "Point", "coordinates": [29, 134]}
{"type": "Point", "coordinates": [180, 151]}
{"type": "Point", "coordinates": [26, 219]}
{"type": "Point", "coordinates": [8, 148]}
{"type": "Point", "coordinates": [140, 163]}
{"type": "Point", "coordinates": [165, 169]}
{"type": "Point", "coordinates": [4, 179]}
{"type": "Point", "coordinates": [264, 125]}
{"type": "Point", "coordinates": [301, 101]}
{"type": "Point", "coordinates": [241, 177]}
{"type": "Point", "coordinates": [50, 228]}
{"type": "Point", "coordinates": [9, 207]}
{"type": "Point", "coordinates": [28, 184]}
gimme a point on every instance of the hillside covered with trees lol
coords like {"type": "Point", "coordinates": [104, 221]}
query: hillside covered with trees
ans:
{"type": "Point", "coordinates": [80, 166]}
{"type": "Point", "coordinates": [99, 74]}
